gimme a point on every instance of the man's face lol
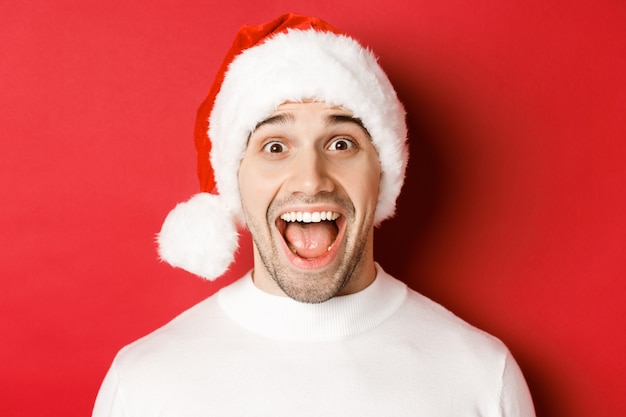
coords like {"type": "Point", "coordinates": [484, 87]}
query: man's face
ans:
{"type": "Point", "coordinates": [309, 183]}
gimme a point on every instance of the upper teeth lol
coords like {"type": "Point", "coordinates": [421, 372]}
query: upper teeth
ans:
{"type": "Point", "coordinates": [309, 217]}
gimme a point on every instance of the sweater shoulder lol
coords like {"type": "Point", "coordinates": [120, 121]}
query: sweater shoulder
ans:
{"type": "Point", "coordinates": [435, 325]}
{"type": "Point", "coordinates": [192, 328]}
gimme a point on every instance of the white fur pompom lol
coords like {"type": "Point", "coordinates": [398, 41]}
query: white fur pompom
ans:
{"type": "Point", "coordinates": [199, 236]}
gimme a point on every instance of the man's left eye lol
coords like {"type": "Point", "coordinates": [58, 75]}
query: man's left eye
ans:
{"type": "Point", "coordinates": [341, 144]}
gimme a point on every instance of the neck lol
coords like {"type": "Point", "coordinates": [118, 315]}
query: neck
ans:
{"type": "Point", "coordinates": [284, 318]}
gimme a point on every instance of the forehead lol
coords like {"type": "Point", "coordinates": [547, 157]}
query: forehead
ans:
{"type": "Point", "coordinates": [310, 104]}
{"type": "Point", "coordinates": [310, 108]}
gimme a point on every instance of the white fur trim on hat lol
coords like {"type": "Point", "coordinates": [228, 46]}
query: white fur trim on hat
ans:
{"type": "Point", "coordinates": [199, 236]}
{"type": "Point", "coordinates": [299, 65]}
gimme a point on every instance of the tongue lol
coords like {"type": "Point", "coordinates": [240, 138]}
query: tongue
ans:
{"type": "Point", "coordinates": [310, 240]}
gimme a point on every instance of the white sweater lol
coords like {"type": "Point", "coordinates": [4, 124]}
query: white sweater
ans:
{"type": "Point", "coordinates": [385, 351]}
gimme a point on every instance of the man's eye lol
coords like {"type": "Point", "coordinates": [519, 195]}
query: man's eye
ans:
{"type": "Point", "coordinates": [341, 144]}
{"type": "Point", "coordinates": [274, 147]}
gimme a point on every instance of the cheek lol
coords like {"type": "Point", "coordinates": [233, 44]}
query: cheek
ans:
{"type": "Point", "coordinates": [370, 191]}
{"type": "Point", "coordinates": [255, 187]}
{"type": "Point", "coordinates": [363, 184]}
{"type": "Point", "coordinates": [246, 186]}
{"type": "Point", "coordinates": [371, 180]}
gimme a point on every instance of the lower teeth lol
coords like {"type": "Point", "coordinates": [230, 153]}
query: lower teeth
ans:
{"type": "Point", "coordinates": [295, 252]}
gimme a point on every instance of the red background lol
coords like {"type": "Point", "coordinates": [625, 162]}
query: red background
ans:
{"type": "Point", "coordinates": [512, 215]}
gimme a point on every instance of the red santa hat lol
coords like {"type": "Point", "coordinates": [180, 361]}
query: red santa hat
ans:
{"type": "Point", "coordinates": [292, 58]}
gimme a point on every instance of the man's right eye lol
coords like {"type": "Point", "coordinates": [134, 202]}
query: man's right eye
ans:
{"type": "Point", "coordinates": [274, 147]}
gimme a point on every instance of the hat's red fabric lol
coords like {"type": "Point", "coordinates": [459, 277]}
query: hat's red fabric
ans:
{"type": "Point", "coordinates": [247, 37]}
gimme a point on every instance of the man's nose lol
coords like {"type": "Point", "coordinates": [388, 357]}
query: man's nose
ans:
{"type": "Point", "coordinates": [310, 174]}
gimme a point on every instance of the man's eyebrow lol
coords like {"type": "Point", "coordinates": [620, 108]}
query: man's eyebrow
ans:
{"type": "Point", "coordinates": [278, 119]}
{"type": "Point", "coordinates": [336, 119]}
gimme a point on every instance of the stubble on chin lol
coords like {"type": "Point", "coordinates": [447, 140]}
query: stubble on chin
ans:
{"type": "Point", "coordinates": [309, 286]}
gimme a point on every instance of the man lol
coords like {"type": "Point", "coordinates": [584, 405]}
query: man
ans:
{"type": "Point", "coordinates": [306, 146]}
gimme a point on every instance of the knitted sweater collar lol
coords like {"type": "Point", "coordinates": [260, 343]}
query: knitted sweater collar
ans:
{"type": "Point", "coordinates": [284, 319]}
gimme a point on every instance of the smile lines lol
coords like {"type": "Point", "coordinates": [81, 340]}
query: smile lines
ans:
{"type": "Point", "coordinates": [309, 217]}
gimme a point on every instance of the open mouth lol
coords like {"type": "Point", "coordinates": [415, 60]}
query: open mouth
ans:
{"type": "Point", "coordinates": [309, 235]}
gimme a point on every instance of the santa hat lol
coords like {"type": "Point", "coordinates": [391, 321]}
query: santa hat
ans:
{"type": "Point", "coordinates": [292, 58]}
